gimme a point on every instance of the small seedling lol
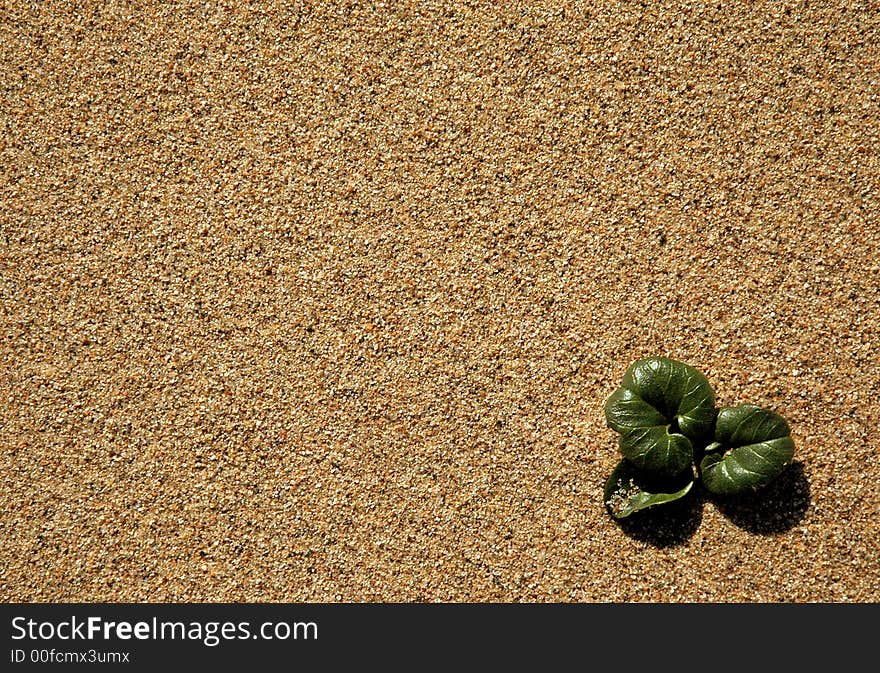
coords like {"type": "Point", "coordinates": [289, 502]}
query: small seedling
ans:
{"type": "Point", "coordinates": [664, 412]}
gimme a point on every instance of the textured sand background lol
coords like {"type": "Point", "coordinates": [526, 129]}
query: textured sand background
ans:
{"type": "Point", "coordinates": [322, 301]}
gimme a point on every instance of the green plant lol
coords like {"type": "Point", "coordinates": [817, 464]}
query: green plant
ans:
{"type": "Point", "coordinates": [664, 412]}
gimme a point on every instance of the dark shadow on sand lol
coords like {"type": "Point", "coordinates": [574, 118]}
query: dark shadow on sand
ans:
{"type": "Point", "coordinates": [669, 525]}
{"type": "Point", "coordinates": [776, 508]}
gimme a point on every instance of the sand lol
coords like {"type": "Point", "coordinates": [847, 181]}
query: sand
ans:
{"type": "Point", "coordinates": [322, 301]}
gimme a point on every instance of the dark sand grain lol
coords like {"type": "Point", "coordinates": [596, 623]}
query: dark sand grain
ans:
{"type": "Point", "coordinates": [322, 301]}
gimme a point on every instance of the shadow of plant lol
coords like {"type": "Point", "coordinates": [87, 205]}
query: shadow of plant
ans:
{"type": "Point", "coordinates": [667, 526]}
{"type": "Point", "coordinates": [776, 508]}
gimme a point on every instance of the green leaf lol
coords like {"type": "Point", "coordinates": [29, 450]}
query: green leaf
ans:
{"type": "Point", "coordinates": [656, 449]}
{"type": "Point", "coordinates": [629, 490]}
{"type": "Point", "coordinates": [660, 410]}
{"type": "Point", "coordinates": [752, 447]}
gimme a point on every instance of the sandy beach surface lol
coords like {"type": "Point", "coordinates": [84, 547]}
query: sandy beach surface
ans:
{"type": "Point", "coordinates": [321, 301]}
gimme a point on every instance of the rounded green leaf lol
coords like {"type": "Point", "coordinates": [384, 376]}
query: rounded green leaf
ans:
{"type": "Point", "coordinates": [752, 447]}
{"type": "Point", "coordinates": [657, 449]}
{"type": "Point", "coordinates": [629, 490]}
{"type": "Point", "coordinates": [661, 408]}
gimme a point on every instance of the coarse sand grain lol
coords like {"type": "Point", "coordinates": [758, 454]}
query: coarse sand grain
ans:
{"type": "Point", "coordinates": [321, 301]}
